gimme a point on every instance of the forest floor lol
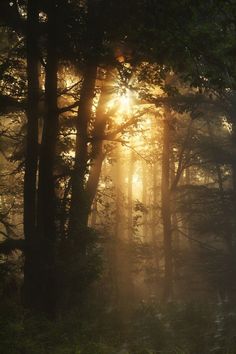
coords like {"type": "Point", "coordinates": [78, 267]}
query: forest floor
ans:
{"type": "Point", "coordinates": [187, 328]}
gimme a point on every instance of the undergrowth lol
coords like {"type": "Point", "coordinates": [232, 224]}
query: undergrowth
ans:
{"type": "Point", "coordinates": [153, 329]}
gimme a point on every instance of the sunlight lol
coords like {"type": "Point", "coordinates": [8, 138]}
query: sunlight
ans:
{"type": "Point", "coordinates": [124, 103]}
{"type": "Point", "coordinates": [103, 185]}
{"type": "Point", "coordinates": [136, 179]}
{"type": "Point", "coordinates": [227, 125]}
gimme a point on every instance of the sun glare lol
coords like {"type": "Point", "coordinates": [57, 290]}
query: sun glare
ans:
{"type": "Point", "coordinates": [124, 103]}
{"type": "Point", "coordinates": [136, 179]}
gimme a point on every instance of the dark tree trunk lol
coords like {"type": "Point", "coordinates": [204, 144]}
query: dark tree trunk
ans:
{"type": "Point", "coordinates": [225, 286]}
{"type": "Point", "coordinates": [97, 155]}
{"type": "Point", "coordinates": [144, 199]}
{"type": "Point", "coordinates": [175, 226]}
{"type": "Point", "coordinates": [166, 212]}
{"type": "Point", "coordinates": [227, 229]}
{"type": "Point", "coordinates": [46, 190]}
{"type": "Point", "coordinates": [130, 196]}
{"type": "Point", "coordinates": [128, 259]}
{"type": "Point", "coordinates": [31, 159]}
{"type": "Point", "coordinates": [233, 166]}
{"type": "Point", "coordinates": [119, 251]}
{"type": "Point", "coordinates": [154, 217]}
{"type": "Point", "coordinates": [80, 205]}
{"type": "Point", "coordinates": [154, 224]}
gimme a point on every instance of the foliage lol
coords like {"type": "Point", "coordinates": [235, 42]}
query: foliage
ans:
{"type": "Point", "coordinates": [189, 328]}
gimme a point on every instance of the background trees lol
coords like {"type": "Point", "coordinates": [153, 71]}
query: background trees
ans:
{"type": "Point", "coordinates": [118, 129]}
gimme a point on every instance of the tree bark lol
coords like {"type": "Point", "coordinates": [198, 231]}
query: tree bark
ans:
{"type": "Point", "coordinates": [128, 259]}
{"type": "Point", "coordinates": [46, 212]}
{"type": "Point", "coordinates": [175, 226]}
{"type": "Point", "coordinates": [233, 166]}
{"type": "Point", "coordinates": [144, 200]}
{"type": "Point", "coordinates": [154, 224]}
{"type": "Point", "coordinates": [166, 212]}
{"type": "Point", "coordinates": [97, 154]}
{"type": "Point", "coordinates": [130, 196]}
{"type": "Point", "coordinates": [80, 206]}
{"type": "Point", "coordinates": [226, 285]}
{"type": "Point", "coordinates": [31, 159]}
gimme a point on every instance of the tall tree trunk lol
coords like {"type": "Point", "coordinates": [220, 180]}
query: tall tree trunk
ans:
{"type": "Point", "coordinates": [154, 215]}
{"type": "Point", "coordinates": [118, 249]}
{"type": "Point", "coordinates": [233, 166]}
{"type": "Point", "coordinates": [228, 232]}
{"type": "Point", "coordinates": [166, 212]}
{"type": "Point", "coordinates": [122, 259]}
{"type": "Point", "coordinates": [79, 209]}
{"type": "Point", "coordinates": [80, 205]}
{"type": "Point", "coordinates": [130, 195]}
{"type": "Point", "coordinates": [154, 224]}
{"type": "Point", "coordinates": [144, 200]}
{"type": "Point", "coordinates": [82, 190]}
{"type": "Point", "coordinates": [128, 261]}
{"type": "Point", "coordinates": [97, 154]}
{"type": "Point", "coordinates": [46, 189]}
{"type": "Point", "coordinates": [225, 287]}
{"type": "Point", "coordinates": [85, 178]}
{"type": "Point", "coordinates": [31, 159]}
{"type": "Point", "coordinates": [175, 226]}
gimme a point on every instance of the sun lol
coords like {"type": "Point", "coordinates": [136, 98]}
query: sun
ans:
{"type": "Point", "coordinates": [124, 102]}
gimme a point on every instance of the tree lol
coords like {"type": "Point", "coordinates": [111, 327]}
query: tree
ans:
{"type": "Point", "coordinates": [166, 205]}
{"type": "Point", "coordinates": [99, 39]}
{"type": "Point", "coordinates": [31, 289]}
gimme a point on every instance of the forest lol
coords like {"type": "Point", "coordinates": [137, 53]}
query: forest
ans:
{"type": "Point", "coordinates": [118, 177]}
